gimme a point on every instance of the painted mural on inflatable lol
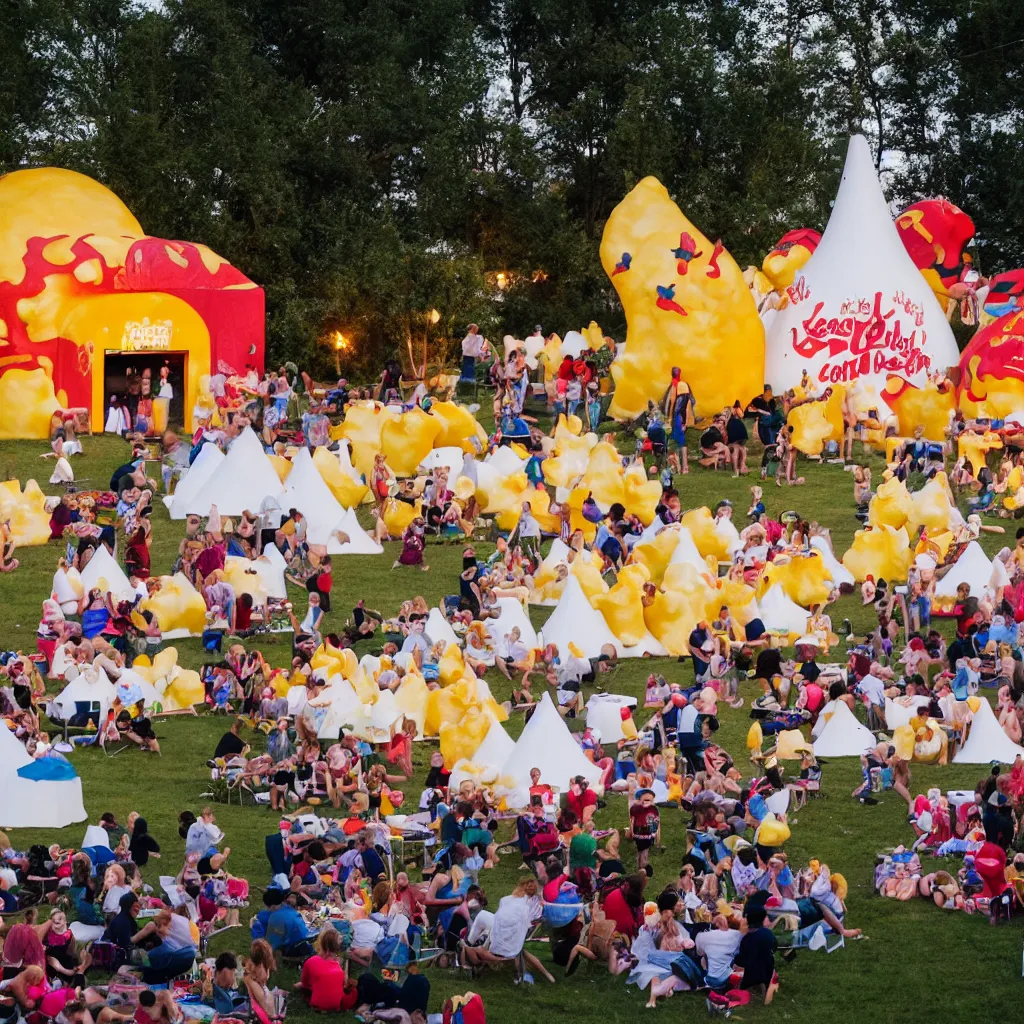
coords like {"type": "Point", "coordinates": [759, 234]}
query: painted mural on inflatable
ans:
{"type": "Point", "coordinates": [992, 369]}
{"type": "Point", "coordinates": [936, 234]}
{"type": "Point", "coordinates": [860, 310]}
{"type": "Point", "coordinates": [80, 280]}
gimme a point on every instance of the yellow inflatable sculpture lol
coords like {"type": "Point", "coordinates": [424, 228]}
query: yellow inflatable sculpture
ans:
{"type": "Point", "coordinates": [26, 511]}
{"type": "Point", "coordinates": [363, 424]}
{"type": "Point", "coordinates": [623, 610]}
{"type": "Point", "coordinates": [540, 505]}
{"type": "Point", "coordinates": [811, 427]}
{"type": "Point", "coordinates": [977, 446]}
{"type": "Point", "coordinates": [881, 552]}
{"type": "Point", "coordinates": [805, 579]}
{"type": "Point", "coordinates": [991, 378]}
{"type": "Point", "coordinates": [347, 491]}
{"type": "Point", "coordinates": [891, 505]}
{"type": "Point", "coordinates": [449, 704]}
{"type": "Point", "coordinates": [461, 740]}
{"type": "Point", "coordinates": [932, 507]}
{"type": "Point", "coordinates": [411, 698]}
{"type": "Point", "coordinates": [591, 581]}
{"type": "Point", "coordinates": [177, 605]}
{"type": "Point", "coordinates": [178, 688]}
{"type": "Point", "coordinates": [926, 407]}
{"type": "Point", "coordinates": [603, 477]}
{"type": "Point", "coordinates": [640, 495]}
{"type": "Point", "coordinates": [708, 539]}
{"type": "Point", "coordinates": [397, 515]}
{"type": "Point", "coordinates": [570, 461]}
{"type": "Point", "coordinates": [507, 494]}
{"type": "Point", "coordinates": [408, 439]}
{"type": "Point", "coordinates": [928, 744]}
{"type": "Point", "coordinates": [241, 574]}
{"type": "Point", "coordinates": [739, 598]}
{"type": "Point", "coordinates": [459, 427]}
{"type": "Point", "coordinates": [451, 667]}
{"type": "Point", "coordinates": [654, 556]}
{"type": "Point", "coordinates": [686, 305]}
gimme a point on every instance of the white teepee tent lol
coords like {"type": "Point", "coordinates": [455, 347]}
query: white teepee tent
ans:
{"type": "Point", "coordinates": [604, 713]}
{"type": "Point", "coordinates": [36, 794]}
{"type": "Point", "coordinates": [972, 567]}
{"type": "Point", "coordinates": [359, 541]}
{"type": "Point", "coordinates": [576, 621]}
{"type": "Point", "coordinates": [840, 574]}
{"type": "Point", "coordinates": [304, 489]}
{"type": "Point", "coordinates": [547, 744]}
{"type": "Point", "coordinates": [207, 463]}
{"type": "Point", "coordinates": [859, 280]}
{"type": "Point", "coordinates": [102, 567]}
{"type": "Point", "coordinates": [505, 461]}
{"type": "Point", "coordinates": [438, 628]}
{"type": "Point", "coordinates": [686, 552]}
{"type": "Point", "coordinates": [496, 748]}
{"type": "Point", "coordinates": [843, 735]}
{"type": "Point", "coordinates": [450, 457]}
{"type": "Point", "coordinates": [986, 742]}
{"type": "Point", "coordinates": [651, 531]}
{"type": "Point", "coordinates": [87, 687]}
{"type": "Point", "coordinates": [511, 614]}
{"type": "Point", "coordinates": [241, 481]}
{"type": "Point", "coordinates": [780, 613]}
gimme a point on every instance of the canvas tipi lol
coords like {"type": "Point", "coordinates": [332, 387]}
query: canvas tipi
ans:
{"type": "Point", "coordinates": [511, 614]}
{"type": "Point", "coordinates": [496, 748]}
{"type": "Point", "coordinates": [103, 572]}
{"type": "Point", "coordinates": [438, 628]}
{"type": "Point", "coordinates": [843, 735]}
{"type": "Point", "coordinates": [206, 464]}
{"type": "Point", "coordinates": [304, 489]}
{"type": "Point", "coordinates": [576, 621]}
{"type": "Point", "coordinates": [986, 742]}
{"type": "Point", "coordinates": [240, 482]}
{"type": "Point", "coordinates": [859, 284]}
{"type": "Point", "coordinates": [547, 744]}
{"type": "Point", "coordinates": [972, 567]}
{"type": "Point", "coordinates": [43, 793]}
{"type": "Point", "coordinates": [686, 552]}
{"type": "Point", "coordinates": [780, 614]}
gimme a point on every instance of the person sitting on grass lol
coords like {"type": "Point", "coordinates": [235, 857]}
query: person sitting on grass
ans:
{"type": "Point", "coordinates": [323, 982]}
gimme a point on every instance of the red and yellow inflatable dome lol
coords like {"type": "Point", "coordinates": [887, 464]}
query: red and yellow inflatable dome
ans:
{"type": "Point", "coordinates": [80, 280]}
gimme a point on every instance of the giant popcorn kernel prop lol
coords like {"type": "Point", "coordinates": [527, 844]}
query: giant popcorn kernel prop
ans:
{"type": "Point", "coordinates": [881, 552]}
{"type": "Point", "coordinates": [791, 252]}
{"type": "Point", "coordinates": [927, 406]}
{"type": "Point", "coordinates": [859, 310]}
{"type": "Point", "coordinates": [806, 580]}
{"type": "Point", "coordinates": [992, 369]}
{"type": "Point", "coordinates": [686, 305]}
{"type": "Point", "coordinates": [26, 512]}
{"type": "Point", "coordinates": [935, 234]}
{"type": "Point", "coordinates": [80, 280]}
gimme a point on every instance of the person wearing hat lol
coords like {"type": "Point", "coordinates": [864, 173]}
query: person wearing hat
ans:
{"type": "Point", "coordinates": [644, 828]}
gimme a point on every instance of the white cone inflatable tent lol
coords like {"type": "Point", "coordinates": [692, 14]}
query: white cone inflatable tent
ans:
{"type": "Point", "coordinates": [986, 742]}
{"type": "Point", "coordinates": [843, 735]}
{"type": "Point", "coordinates": [505, 461]}
{"type": "Point", "coordinates": [780, 613]}
{"type": "Point", "coordinates": [510, 614]}
{"type": "Point", "coordinates": [359, 541]}
{"type": "Point", "coordinates": [438, 628]}
{"type": "Point", "coordinates": [240, 482]}
{"type": "Point", "coordinates": [450, 457]}
{"type": "Point", "coordinates": [899, 714]}
{"type": "Point", "coordinates": [840, 574]}
{"type": "Point", "coordinates": [44, 793]}
{"type": "Point", "coordinates": [102, 567]}
{"type": "Point", "coordinates": [557, 555]}
{"type": "Point", "coordinates": [547, 744]}
{"type": "Point", "coordinates": [686, 552]}
{"type": "Point", "coordinates": [207, 463]}
{"type": "Point", "coordinates": [575, 620]}
{"type": "Point", "coordinates": [496, 748]}
{"type": "Point", "coordinates": [604, 713]}
{"type": "Point", "coordinates": [91, 686]}
{"type": "Point", "coordinates": [859, 310]}
{"type": "Point", "coordinates": [972, 567]}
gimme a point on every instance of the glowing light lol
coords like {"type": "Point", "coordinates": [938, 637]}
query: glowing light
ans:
{"type": "Point", "coordinates": [340, 341]}
{"type": "Point", "coordinates": [433, 316]}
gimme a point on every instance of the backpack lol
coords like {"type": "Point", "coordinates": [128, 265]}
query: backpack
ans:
{"type": "Point", "coordinates": [467, 1009]}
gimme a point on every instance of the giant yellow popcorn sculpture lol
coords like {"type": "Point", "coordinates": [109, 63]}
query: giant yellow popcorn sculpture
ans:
{"type": "Point", "coordinates": [707, 537]}
{"type": "Point", "coordinates": [348, 491]}
{"type": "Point", "coordinates": [926, 407]}
{"type": "Point", "coordinates": [408, 439]}
{"type": "Point", "coordinates": [891, 505]}
{"type": "Point", "coordinates": [177, 605]}
{"type": "Point", "coordinates": [686, 305]}
{"type": "Point", "coordinates": [881, 552]}
{"type": "Point", "coordinates": [459, 427]}
{"type": "Point", "coordinates": [806, 579]}
{"type": "Point", "coordinates": [363, 424]}
{"type": "Point", "coordinates": [178, 688]}
{"type": "Point", "coordinates": [26, 511]}
{"type": "Point", "coordinates": [811, 427]}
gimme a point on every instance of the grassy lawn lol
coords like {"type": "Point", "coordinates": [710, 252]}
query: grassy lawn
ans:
{"type": "Point", "coordinates": [894, 976]}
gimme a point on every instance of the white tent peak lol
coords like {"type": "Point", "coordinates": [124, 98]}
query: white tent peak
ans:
{"type": "Point", "coordinates": [547, 744]}
{"type": "Point", "coordinates": [575, 620]}
{"type": "Point", "coordinates": [438, 628]}
{"type": "Point", "coordinates": [511, 614]}
{"type": "Point", "coordinates": [986, 742]}
{"type": "Point", "coordinates": [496, 748]}
{"type": "Point", "coordinates": [859, 272]}
{"type": "Point", "coordinates": [242, 480]}
{"type": "Point", "coordinates": [103, 566]}
{"type": "Point", "coordinates": [206, 464]}
{"type": "Point", "coordinates": [843, 735]}
{"type": "Point", "coordinates": [972, 567]}
{"type": "Point", "coordinates": [781, 613]}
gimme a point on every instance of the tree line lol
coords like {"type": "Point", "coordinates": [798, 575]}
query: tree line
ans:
{"type": "Point", "coordinates": [371, 161]}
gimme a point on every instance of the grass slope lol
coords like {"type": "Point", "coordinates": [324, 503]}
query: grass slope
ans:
{"type": "Point", "coordinates": [893, 977]}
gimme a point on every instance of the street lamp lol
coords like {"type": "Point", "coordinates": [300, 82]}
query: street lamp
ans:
{"type": "Point", "coordinates": [340, 345]}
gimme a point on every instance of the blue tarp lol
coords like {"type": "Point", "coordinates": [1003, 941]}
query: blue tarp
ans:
{"type": "Point", "coordinates": [48, 769]}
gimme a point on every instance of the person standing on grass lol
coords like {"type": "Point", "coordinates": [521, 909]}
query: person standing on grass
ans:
{"type": "Point", "coordinates": [474, 347]}
{"type": "Point", "coordinates": [644, 828]}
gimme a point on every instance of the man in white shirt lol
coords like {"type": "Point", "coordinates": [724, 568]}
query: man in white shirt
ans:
{"type": "Point", "coordinates": [512, 654]}
{"type": "Point", "coordinates": [474, 345]}
{"type": "Point", "coordinates": [718, 947]}
{"type": "Point", "coordinates": [874, 689]}
{"type": "Point", "coordinates": [528, 531]}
